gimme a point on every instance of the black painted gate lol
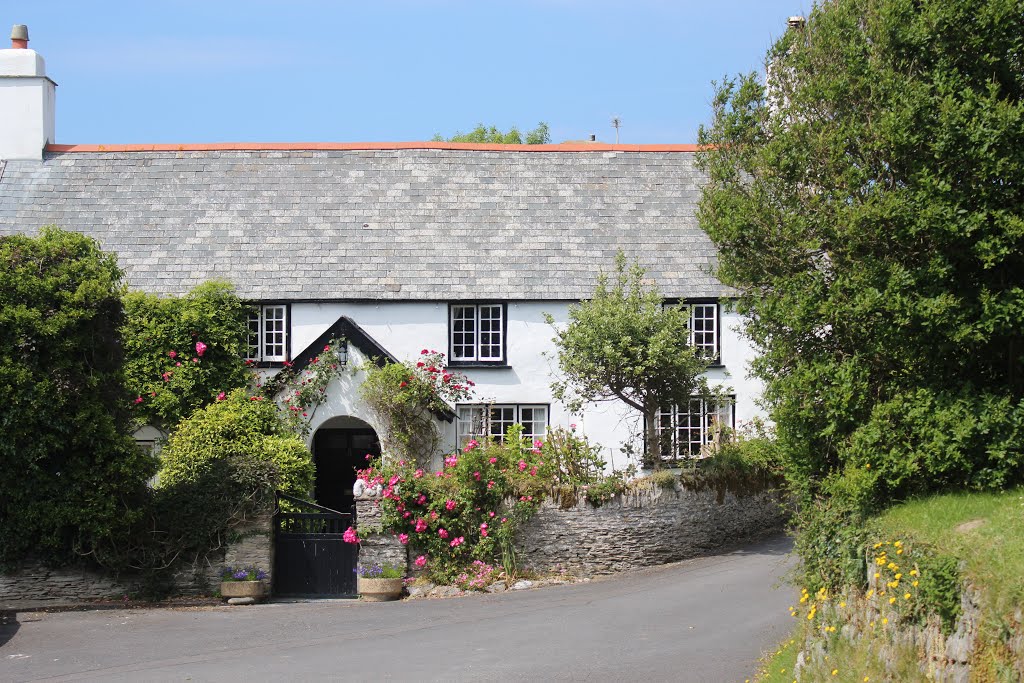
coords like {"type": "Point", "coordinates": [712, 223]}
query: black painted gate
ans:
{"type": "Point", "coordinates": [311, 557]}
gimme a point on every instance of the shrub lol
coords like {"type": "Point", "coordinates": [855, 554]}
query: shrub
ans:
{"type": "Point", "coordinates": [469, 509]}
{"type": "Point", "coordinates": [72, 478]}
{"type": "Point", "coordinates": [181, 352]}
{"type": "Point", "coordinates": [405, 394]}
{"type": "Point", "coordinates": [220, 465]}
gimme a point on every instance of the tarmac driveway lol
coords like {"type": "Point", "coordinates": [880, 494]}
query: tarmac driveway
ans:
{"type": "Point", "coordinates": [707, 619]}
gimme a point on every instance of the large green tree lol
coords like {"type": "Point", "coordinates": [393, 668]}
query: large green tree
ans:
{"type": "Point", "coordinates": [869, 203]}
{"type": "Point", "coordinates": [624, 343]}
{"type": "Point", "coordinates": [70, 476]}
{"type": "Point", "coordinates": [482, 134]}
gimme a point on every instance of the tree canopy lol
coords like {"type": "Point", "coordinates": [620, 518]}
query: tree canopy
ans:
{"type": "Point", "coordinates": [625, 343]}
{"type": "Point", "coordinates": [869, 204]}
{"type": "Point", "coordinates": [71, 474]}
{"type": "Point", "coordinates": [482, 134]}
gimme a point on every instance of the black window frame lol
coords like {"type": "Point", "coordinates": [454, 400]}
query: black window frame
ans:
{"type": "Point", "coordinates": [495, 404]}
{"type": "Point", "coordinates": [675, 458]}
{"type": "Point", "coordinates": [259, 306]}
{"type": "Point", "coordinates": [462, 363]}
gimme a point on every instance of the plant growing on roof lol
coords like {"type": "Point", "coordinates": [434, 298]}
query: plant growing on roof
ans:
{"type": "Point", "coordinates": [404, 396]}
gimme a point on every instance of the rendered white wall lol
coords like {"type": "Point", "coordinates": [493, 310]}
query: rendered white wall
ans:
{"type": "Point", "coordinates": [405, 329]}
{"type": "Point", "coordinates": [27, 105]}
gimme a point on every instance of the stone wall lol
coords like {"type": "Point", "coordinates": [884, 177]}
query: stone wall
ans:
{"type": "Point", "coordinates": [643, 528]}
{"type": "Point", "coordinates": [376, 548]}
{"type": "Point", "coordinates": [942, 657]}
{"type": "Point", "coordinates": [35, 585]}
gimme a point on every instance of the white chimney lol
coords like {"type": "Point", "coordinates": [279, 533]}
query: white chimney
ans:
{"type": "Point", "coordinates": [27, 100]}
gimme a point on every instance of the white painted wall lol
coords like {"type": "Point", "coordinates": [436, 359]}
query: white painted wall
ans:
{"type": "Point", "coordinates": [405, 329]}
{"type": "Point", "coordinates": [27, 105]}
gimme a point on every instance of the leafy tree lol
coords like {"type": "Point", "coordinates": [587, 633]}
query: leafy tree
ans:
{"type": "Point", "coordinates": [870, 205]}
{"type": "Point", "coordinates": [625, 344]}
{"type": "Point", "coordinates": [71, 475]}
{"type": "Point", "coordinates": [181, 352]}
{"type": "Point", "coordinates": [481, 134]}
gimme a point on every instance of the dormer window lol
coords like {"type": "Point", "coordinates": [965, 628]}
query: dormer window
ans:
{"type": "Point", "coordinates": [477, 333]}
{"type": "Point", "coordinates": [268, 333]}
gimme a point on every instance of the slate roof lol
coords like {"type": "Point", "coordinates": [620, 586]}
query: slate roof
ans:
{"type": "Point", "coordinates": [405, 223]}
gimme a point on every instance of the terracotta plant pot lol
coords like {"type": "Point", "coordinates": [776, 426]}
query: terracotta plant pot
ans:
{"type": "Point", "coordinates": [243, 589]}
{"type": "Point", "coordinates": [379, 590]}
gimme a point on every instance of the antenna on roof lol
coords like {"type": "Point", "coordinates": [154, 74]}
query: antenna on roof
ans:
{"type": "Point", "coordinates": [616, 122]}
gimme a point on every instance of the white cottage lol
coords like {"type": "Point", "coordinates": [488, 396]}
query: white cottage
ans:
{"type": "Point", "coordinates": [398, 246]}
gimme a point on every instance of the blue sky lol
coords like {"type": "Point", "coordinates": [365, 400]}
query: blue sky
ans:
{"type": "Point", "coordinates": [390, 70]}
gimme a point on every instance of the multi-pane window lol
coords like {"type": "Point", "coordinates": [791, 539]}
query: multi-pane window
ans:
{"type": "Point", "coordinates": [704, 329]}
{"type": "Point", "coordinates": [478, 332]}
{"type": "Point", "coordinates": [481, 421]}
{"type": "Point", "coordinates": [268, 333]}
{"type": "Point", "coordinates": [684, 430]}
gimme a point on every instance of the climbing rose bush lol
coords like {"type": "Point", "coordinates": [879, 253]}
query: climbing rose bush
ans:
{"type": "Point", "coordinates": [466, 511]}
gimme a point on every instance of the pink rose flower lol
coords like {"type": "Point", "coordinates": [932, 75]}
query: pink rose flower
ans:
{"type": "Point", "coordinates": [493, 461]}
{"type": "Point", "coordinates": [522, 465]}
{"type": "Point", "coordinates": [420, 561]}
{"type": "Point", "coordinates": [443, 533]}
{"type": "Point", "coordinates": [421, 525]}
{"type": "Point", "coordinates": [350, 536]}
{"type": "Point", "coordinates": [172, 354]}
{"type": "Point", "coordinates": [403, 538]}
{"type": "Point", "coordinates": [417, 474]}
{"type": "Point", "coordinates": [476, 475]}
{"type": "Point", "coordinates": [449, 505]}
{"type": "Point", "coordinates": [200, 349]}
{"type": "Point", "coordinates": [422, 499]}
{"type": "Point", "coordinates": [220, 396]}
{"type": "Point", "coordinates": [138, 400]}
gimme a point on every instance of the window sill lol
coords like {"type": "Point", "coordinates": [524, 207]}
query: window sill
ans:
{"type": "Point", "coordinates": [716, 366]}
{"type": "Point", "coordinates": [477, 364]}
{"type": "Point", "coordinates": [266, 364]}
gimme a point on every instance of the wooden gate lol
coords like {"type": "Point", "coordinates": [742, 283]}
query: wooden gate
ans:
{"type": "Point", "coordinates": [311, 557]}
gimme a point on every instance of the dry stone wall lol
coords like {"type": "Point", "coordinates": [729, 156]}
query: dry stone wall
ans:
{"type": "Point", "coordinates": [644, 528]}
{"type": "Point", "coordinates": [34, 585]}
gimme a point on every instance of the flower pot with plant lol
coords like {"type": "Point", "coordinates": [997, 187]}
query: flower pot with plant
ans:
{"type": "Point", "coordinates": [379, 583]}
{"type": "Point", "coordinates": [244, 582]}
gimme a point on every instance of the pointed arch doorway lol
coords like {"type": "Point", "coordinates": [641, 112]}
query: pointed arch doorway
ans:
{"type": "Point", "coordinates": [340, 447]}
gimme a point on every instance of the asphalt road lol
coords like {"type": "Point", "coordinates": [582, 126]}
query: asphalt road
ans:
{"type": "Point", "coordinates": [708, 619]}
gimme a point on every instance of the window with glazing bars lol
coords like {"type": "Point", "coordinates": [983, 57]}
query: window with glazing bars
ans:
{"type": "Point", "coordinates": [684, 430]}
{"type": "Point", "coordinates": [477, 332]}
{"type": "Point", "coordinates": [704, 330]}
{"type": "Point", "coordinates": [480, 421]}
{"type": "Point", "coordinates": [268, 333]}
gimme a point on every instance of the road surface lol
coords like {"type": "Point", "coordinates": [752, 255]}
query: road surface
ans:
{"type": "Point", "coordinates": [707, 619]}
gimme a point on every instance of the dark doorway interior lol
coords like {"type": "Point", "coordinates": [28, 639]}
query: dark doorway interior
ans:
{"type": "Point", "coordinates": [337, 453]}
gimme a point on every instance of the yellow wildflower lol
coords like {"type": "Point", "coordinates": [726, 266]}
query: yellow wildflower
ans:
{"type": "Point", "coordinates": [885, 621]}
{"type": "Point", "coordinates": [842, 604]}
{"type": "Point", "coordinates": [892, 600]}
{"type": "Point", "coordinates": [914, 584]}
{"type": "Point", "coordinates": [906, 596]}
{"type": "Point", "coordinates": [835, 672]}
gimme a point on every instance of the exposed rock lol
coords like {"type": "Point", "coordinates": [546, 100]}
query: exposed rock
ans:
{"type": "Point", "coordinates": [444, 592]}
{"type": "Point", "coordinates": [419, 590]}
{"type": "Point", "coordinates": [521, 584]}
{"type": "Point", "coordinates": [241, 601]}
